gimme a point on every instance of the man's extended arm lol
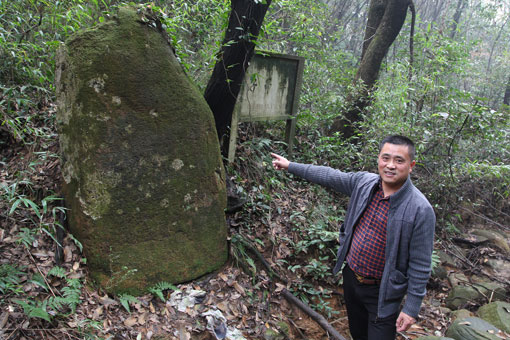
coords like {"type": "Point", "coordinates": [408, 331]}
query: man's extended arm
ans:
{"type": "Point", "coordinates": [343, 182]}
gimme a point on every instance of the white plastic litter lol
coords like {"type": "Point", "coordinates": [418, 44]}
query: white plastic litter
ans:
{"type": "Point", "coordinates": [182, 300]}
{"type": "Point", "coordinates": [217, 324]}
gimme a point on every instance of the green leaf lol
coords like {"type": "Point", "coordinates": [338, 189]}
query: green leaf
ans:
{"type": "Point", "coordinates": [58, 272]}
{"type": "Point", "coordinates": [40, 313]}
{"type": "Point", "coordinates": [39, 280]}
{"type": "Point", "coordinates": [15, 205]}
{"type": "Point", "coordinates": [125, 299]}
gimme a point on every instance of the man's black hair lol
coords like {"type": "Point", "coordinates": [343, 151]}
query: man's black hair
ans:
{"type": "Point", "coordinates": [400, 140]}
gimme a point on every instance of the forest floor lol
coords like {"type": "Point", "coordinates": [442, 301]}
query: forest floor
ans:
{"type": "Point", "coordinates": [242, 298]}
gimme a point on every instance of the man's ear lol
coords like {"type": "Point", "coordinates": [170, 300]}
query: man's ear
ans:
{"type": "Point", "coordinates": [413, 163]}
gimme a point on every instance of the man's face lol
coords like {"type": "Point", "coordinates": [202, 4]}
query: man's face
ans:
{"type": "Point", "coordinates": [394, 165]}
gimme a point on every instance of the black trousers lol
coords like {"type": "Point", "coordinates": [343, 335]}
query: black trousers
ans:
{"type": "Point", "coordinates": [361, 303]}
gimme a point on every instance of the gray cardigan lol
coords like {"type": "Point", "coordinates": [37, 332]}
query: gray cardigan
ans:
{"type": "Point", "coordinates": [409, 235]}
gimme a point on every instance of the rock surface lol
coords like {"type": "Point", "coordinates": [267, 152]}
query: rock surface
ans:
{"type": "Point", "coordinates": [496, 313]}
{"type": "Point", "coordinates": [494, 238]}
{"type": "Point", "coordinates": [142, 171]}
{"type": "Point", "coordinates": [472, 329]}
{"type": "Point", "coordinates": [459, 296]}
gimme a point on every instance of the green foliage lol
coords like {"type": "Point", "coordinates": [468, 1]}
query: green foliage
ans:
{"type": "Point", "coordinates": [196, 29]}
{"type": "Point", "coordinates": [10, 280]}
{"type": "Point", "coordinates": [316, 298]}
{"type": "Point", "coordinates": [34, 309]}
{"type": "Point", "coordinates": [30, 33]}
{"type": "Point", "coordinates": [57, 272]}
{"type": "Point", "coordinates": [436, 260]}
{"type": "Point", "coordinates": [241, 256]}
{"type": "Point", "coordinates": [158, 289]}
{"type": "Point", "coordinates": [27, 237]}
{"type": "Point", "coordinates": [52, 306]}
{"type": "Point", "coordinates": [126, 299]}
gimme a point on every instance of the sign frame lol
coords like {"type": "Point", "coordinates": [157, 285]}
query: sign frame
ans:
{"type": "Point", "coordinates": [260, 60]}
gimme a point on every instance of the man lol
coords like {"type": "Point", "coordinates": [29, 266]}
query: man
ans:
{"type": "Point", "coordinates": [386, 239]}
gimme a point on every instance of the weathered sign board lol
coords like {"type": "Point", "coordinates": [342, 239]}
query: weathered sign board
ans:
{"type": "Point", "coordinates": [270, 91]}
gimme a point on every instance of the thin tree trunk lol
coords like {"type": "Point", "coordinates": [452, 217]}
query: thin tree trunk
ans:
{"type": "Point", "coordinates": [456, 17]}
{"type": "Point", "coordinates": [385, 20]}
{"type": "Point", "coordinates": [238, 46]}
{"type": "Point", "coordinates": [493, 46]}
{"type": "Point", "coordinates": [506, 99]}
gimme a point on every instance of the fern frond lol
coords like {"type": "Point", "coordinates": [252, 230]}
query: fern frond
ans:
{"type": "Point", "coordinates": [158, 289]}
{"type": "Point", "coordinates": [166, 285]}
{"type": "Point", "coordinates": [58, 272]}
{"type": "Point", "coordinates": [125, 299]}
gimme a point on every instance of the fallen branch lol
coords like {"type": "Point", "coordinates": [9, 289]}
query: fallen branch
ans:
{"type": "Point", "coordinates": [469, 242]}
{"type": "Point", "coordinates": [262, 259]}
{"type": "Point", "coordinates": [40, 272]}
{"type": "Point", "coordinates": [333, 333]}
{"type": "Point", "coordinates": [485, 218]}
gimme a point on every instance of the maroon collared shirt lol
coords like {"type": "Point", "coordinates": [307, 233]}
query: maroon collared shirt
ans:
{"type": "Point", "coordinates": [367, 253]}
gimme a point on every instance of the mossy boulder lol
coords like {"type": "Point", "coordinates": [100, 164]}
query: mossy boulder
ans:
{"type": "Point", "coordinates": [472, 329]}
{"type": "Point", "coordinates": [496, 313]}
{"type": "Point", "coordinates": [142, 170]}
{"type": "Point", "coordinates": [461, 295]}
{"type": "Point", "coordinates": [494, 291]}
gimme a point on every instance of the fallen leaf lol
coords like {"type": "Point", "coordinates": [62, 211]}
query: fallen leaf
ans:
{"type": "Point", "coordinates": [130, 322]}
{"type": "Point", "coordinates": [223, 306]}
{"type": "Point", "coordinates": [279, 287]}
{"type": "Point", "coordinates": [3, 319]}
{"type": "Point", "coordinates": [68, 254]}
{"type": "Point", "coordinates": [106, 301]}
{"type": "Point", "coordinates": [141, 318]}
{"type": "Point", "coordinates": [239, 288]}
{"type": "Point", "coordinates": [97, 312]}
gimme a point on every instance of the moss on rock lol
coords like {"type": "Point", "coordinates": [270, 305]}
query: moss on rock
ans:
{"type": "Point", "coordinates": [142, 170]}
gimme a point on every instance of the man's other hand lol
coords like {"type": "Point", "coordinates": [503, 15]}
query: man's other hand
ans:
{"type": "Point", "coordinates": [404, 321]}
{"type": "Point", "coordinates": [279, 162]}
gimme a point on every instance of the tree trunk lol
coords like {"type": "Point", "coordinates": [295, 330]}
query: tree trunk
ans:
{"type": "Point", "coordinates": [506, 99]}
{"type": "Point", "coordinates": [385, 20]}
{"type": "Point", "coordinates": [237, 49]}
{"type": "Point", "coordinates": [456, 17]}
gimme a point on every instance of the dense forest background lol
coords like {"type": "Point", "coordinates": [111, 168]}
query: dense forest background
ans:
{"type": "Point", "coordinates": [445, 82]}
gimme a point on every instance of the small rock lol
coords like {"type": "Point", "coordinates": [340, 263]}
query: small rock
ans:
{"type": "Point", "coordinates": [457, 279]}
{"type": "Point", "coordinates": [461, 314]}
{"type": "Point", "coordinates": [446, 259]}
{"type": "Point", "coordinates": [461, 295]}
{"type": "Point", "coordinates": [439, 272]}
